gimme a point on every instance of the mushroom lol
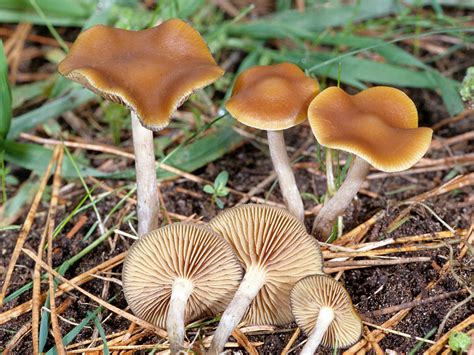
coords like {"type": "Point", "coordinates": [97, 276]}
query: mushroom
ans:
{"type": "Point", "coordinates": [275, 251]}
{"type": "Point", "coordinates": [152, 72]}
{"type": "Point", "coordinates": [379, 125]}
{"type": "Point", "coordinates": [323, 310]}
{"type": "Point", "coordinates": [179, 273]}
{"type": "Point", "coordinates": [274, 98]}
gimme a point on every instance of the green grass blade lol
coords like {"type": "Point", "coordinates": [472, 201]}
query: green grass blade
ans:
{"type": "Point", "coordinates": [26, 92]}
{"type": "Point", "coordinates": [50, 27]}
{"type": "Point", "coordinates": [44, 326]}
{"type": "Point", "coordinates": [22, 198]}
{"type": "Point", "coordinates": [69, 337]}
{"type": "Point", "coordinates": [5, 97]}
{"type": "Point", "coordinates": [398, 39]}
{"type": "Point", "coordinates": [34, 157]}
{"type": "Point", "coordinates": [102, 335]}
{"type": "Point", "coordinates": [49, 111]}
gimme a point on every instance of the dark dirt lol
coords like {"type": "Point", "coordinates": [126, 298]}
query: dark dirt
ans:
{"type": "Point", "coordinates": [371, 288]}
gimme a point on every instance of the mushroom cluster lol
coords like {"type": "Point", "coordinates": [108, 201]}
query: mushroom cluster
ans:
{"type": "Point", "coordinates": [253, 262]}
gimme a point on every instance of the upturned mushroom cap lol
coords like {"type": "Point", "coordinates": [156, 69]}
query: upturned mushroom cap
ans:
{"type": "Point", "coordinates": [316, 291]}
{"type": "Point", "coordinates": [180, 251]}
{"type": "Point", "coordinates": [272, 97]}
{"type": "Point", "coordinates": [151, 71]}
{"type": "Point", "coordinates": [272, 239]}
{"type": "Point", "coordinates": [379, 124]}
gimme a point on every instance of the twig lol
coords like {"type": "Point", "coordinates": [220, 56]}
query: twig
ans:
{"type": "Point", "coordinates": [361, 264]}
{"type": "Point", "coordinates": [405, 335]}
{"type": "Point", "coordinates": [379, 252]}
{"type": "Point", "coordinates": [22, 332]}
{"type": "Point", "coordinates": [50, 231]}
{"type": "Point", "coordinates": [292, 340]}
{"type": "Point", "coordinates": [244, 341]}
{"type": "Point", "coordinates": [411, 304]}
{"type": "Point", "coordinates": [35, 317]}
{"type": "Point", "coordinates": [453, 119]}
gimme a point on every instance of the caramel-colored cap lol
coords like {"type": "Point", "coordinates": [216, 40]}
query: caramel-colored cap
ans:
{"type": "Point", "coordinates": [379, 124]}
{"type": "Point", "coordinates": [272, 97]}
{"type": "Point", "coordinates": [180, 251]}
{"type": "Point", "coordinates": [152, 71]}
{"type": "Point", "coordinates": [272, 240]}
{"type": "Point", "coordinates": [314, 292]}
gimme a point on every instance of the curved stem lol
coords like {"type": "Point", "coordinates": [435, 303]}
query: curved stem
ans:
{"type": "Point", "coordinates": [336, 206]}
{"type": "Point", "coordinates": [148, 203]}
{"type": "Point", "coordinates": [180, 293]}
{"type": "Point", "coordinates": [286, 178]}
{"type": "Point", "coordinates": [253, 281]}
{"type": "Point", "coordinates": [325, 318]}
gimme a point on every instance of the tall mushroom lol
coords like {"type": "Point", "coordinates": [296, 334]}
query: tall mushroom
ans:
{"type": "Point", "coordinates": [178, 273]}
{"type": "Point", "coordinates": [152, 72]}
{"type": "Point", "coordinates": [323, 310]}
{"type": "Point", "coordinates": [275, 251]}
{"type": "Point", "coordinates": [379, 125]}
{"type": "Point", "coordinates": [274, 98]}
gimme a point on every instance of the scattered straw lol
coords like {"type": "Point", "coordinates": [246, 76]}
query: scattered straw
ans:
{"type": "Point", "coordinates": [25, 229]}
{"type": "Point", "coordinates": [126, 315]}
{"type": "Point", "coordinates": [35, 317]}
{"type": "Point", "coordinates": [50, 231]}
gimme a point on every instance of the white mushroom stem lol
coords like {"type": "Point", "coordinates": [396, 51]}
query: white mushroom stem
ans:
{"type": "Point", "coordinates": [325, 318]}
{"type": "Point", "coordinates": [286, 178]}
{"type": "Point", "coordinates": [180, 293]}
{"type": "Point", "coordinates": [148, 203]}
{"type": "Point", "coordinates": [253, 281]}
{"type": "Point", "coordinates": [336, 206]}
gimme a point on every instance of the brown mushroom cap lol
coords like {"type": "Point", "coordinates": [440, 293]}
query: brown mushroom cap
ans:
{"type": "Point", "coordinates": [180, 251]}
{"type": "Point", "coordinates": [316, 291]}
{"type": "Point", "coordinates": [272, 97]}
{"type": "Point", "coordinates": [272, 239]}
{"type": "Point", "coordinates": [379, 124]}
{"type": "Point", "coordinates": [151, 71]}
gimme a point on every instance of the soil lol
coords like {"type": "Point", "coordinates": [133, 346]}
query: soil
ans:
{"type": "Point", "coordinates": [371, 288]}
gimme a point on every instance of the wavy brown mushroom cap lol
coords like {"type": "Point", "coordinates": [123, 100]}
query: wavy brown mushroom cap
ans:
{"type": "Point", "coordinates": [151, 71]}
{"type": "Point", "coordinates": [272, 239]}
{"type": "Point", "coordinates": [316, 291]}
{"type": "Point", "coordinates": [272, 97]}
{"type": "Point", "coordinates": [180, 251]}
{"type": "Point", "coordinates": [379, 124]}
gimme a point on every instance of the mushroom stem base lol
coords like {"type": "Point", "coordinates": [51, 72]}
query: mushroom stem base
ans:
{"type": "Point", "coordinates": [286, 178]}
{"type": "Point", "coordinates": [253, 281]}
{"type": "Point", "coordinates": [336, 206]}
{"type": "Point", "coordinates": [325, 318]}
{"type": "Point", "coordinates": [148, 203]}
{"type": "Point", "coordinates": [180, 293]}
